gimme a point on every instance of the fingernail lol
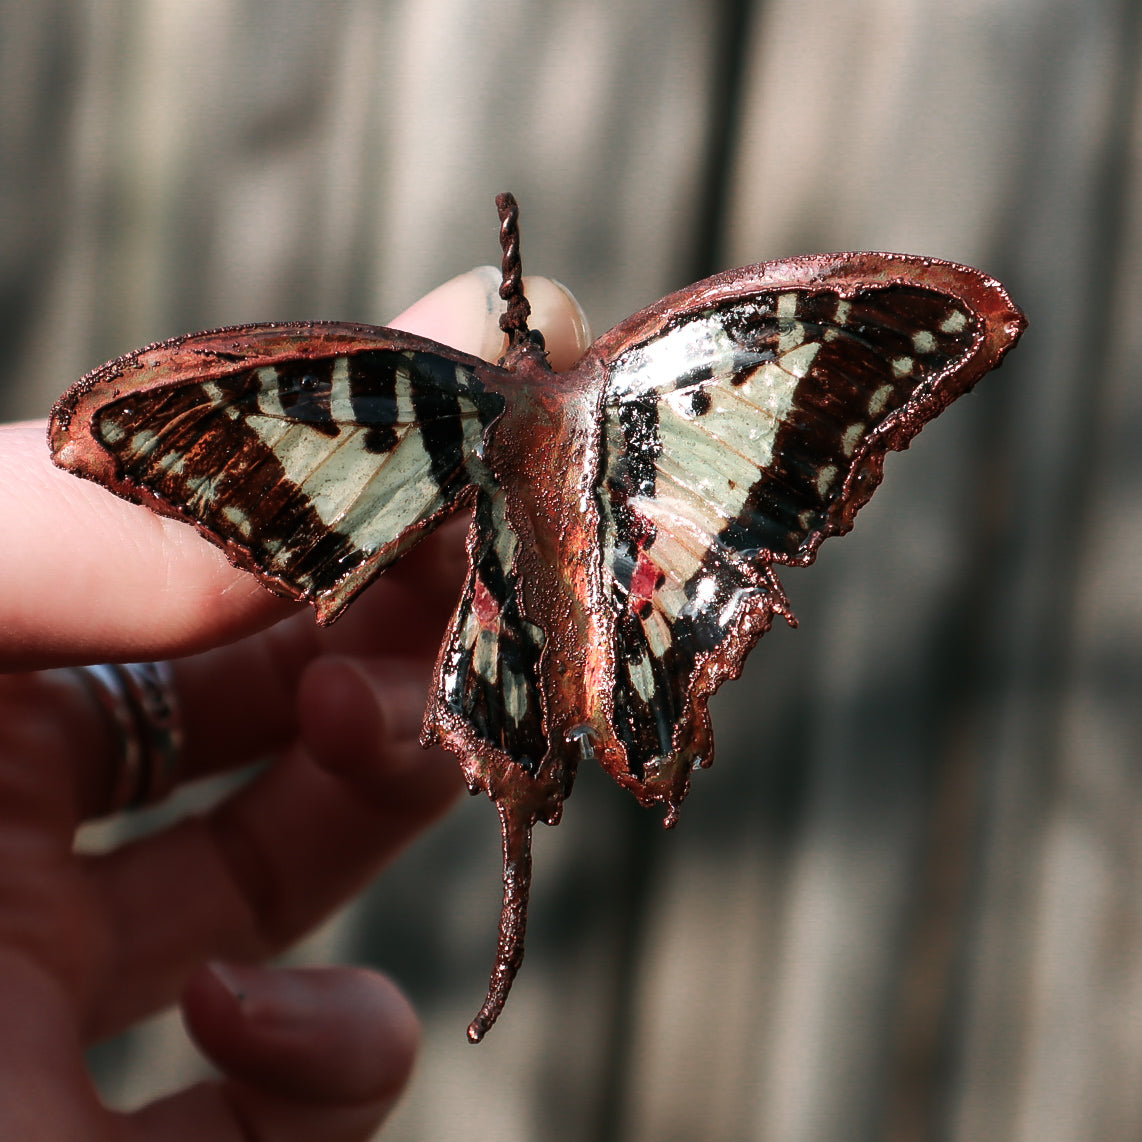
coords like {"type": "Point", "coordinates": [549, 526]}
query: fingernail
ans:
{"type": "Point", "coordinates": [267, 995]}
{"type": "Point", "coordinates": [560, 318]}
{"type": "Point", "coordinates": [580, 323]}
{"type": "Point", "coordinates": [494, 341]}
{"type": "Point", "coordinates": [468, 307]}
{"type": "Point", "coordinates": [232, 979]}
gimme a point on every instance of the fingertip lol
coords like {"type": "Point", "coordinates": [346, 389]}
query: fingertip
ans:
{"type": "Point", "coordinates": [360, 721]}
{"type": "Point", "coordinates": [465, 314]}
{"type": "Point", "coordinates": [354, 724]}
{"type": "Point", "coordinates": [328, 1035]}
{"type": "Point", "coordinates": [161, 590]}
{"type": "Point", "coordinates": [304, 1054]}
{"type": "Point", "coordinates": [560, 318]}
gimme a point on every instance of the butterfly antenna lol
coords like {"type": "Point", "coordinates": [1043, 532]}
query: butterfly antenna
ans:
{"type": "Point", "coordinates": [514, 322]}
{"type": "Point", "coordinates": [516, 826]}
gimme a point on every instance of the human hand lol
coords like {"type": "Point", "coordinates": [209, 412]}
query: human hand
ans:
{"type": "Point", "coordinates": [89, 944]}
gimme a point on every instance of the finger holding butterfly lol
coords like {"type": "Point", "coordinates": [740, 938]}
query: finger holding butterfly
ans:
{"type": "Point", "coordinates": [91, 578]}
{"type": "Point", "coordinates": [243, 700]}
{"type": "Point", "coordinates": [90, 944]}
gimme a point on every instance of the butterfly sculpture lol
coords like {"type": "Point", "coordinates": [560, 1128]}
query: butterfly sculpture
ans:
{"type": "Point", "coordinates": [629, 513]}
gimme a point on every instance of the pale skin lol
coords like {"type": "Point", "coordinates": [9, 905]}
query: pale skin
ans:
{"type": "Point", "coordinates": [90, 945]}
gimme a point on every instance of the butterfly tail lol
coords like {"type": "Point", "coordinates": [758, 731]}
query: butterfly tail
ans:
{"type": "Point", "coordinates": [516, 825]}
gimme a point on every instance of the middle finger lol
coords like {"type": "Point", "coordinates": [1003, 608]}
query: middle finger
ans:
{"type": "Point", "coordinates": [264, 866]}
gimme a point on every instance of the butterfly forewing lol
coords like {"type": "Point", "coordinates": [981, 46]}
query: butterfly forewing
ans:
{"type": "Point", "coordinates": [315, 471]}
{"type": "Point", "coordinates": [738, 434]}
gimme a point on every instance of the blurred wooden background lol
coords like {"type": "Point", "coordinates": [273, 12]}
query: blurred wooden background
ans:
{"type": "Point", "coordinates": [907, 901]}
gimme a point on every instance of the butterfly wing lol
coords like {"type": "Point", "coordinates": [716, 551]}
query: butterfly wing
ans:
{"type": "Point", "coordinates": [487, 703]}
{"type": "Point", "coordinates": [743, 421]}
{"type": "Point", "coordinates": [313, 454]}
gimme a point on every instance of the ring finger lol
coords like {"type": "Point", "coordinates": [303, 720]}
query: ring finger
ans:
{"type": "Point", "coordinates": [265, 865]}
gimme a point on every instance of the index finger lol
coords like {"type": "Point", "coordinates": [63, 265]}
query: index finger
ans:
{"type": "Point", "coordinates": [87, 577]}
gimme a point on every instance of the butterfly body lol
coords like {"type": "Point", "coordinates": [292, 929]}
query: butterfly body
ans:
{"type": "Point", "coordinates": [537, 502]}
{"type": "Point", "coordinates": [628, 514]}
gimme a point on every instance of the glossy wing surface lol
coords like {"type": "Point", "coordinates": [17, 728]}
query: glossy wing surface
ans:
{"type": "Point", "coordinates": [739, 434]}
{"type": "Point", "coordinates": [488, 675]}
{"type": "Point", "coordinates": [314, 461]}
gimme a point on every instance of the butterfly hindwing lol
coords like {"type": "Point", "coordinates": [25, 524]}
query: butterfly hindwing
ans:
{"type": "Point", "coordinates": [314, 455]}
{"type": "Point", "coordinates": [739, 432]}
{"type": "Point", "coordinates": [488, 679]}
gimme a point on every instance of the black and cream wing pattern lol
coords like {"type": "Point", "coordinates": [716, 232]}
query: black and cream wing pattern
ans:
{"type": "Point", "coordinates": [629, 516]}
{"type": "Point", "coordinates": [281, 442]}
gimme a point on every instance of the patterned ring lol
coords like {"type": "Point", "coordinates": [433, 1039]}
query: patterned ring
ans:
{"type": "Point", "coordinates": [139, 701]}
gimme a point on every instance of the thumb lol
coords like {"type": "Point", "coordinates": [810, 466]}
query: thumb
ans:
{"type": "Point", "coordinates": [304, 1054]}
{"type": "Point", "coordinates": [465, 313]}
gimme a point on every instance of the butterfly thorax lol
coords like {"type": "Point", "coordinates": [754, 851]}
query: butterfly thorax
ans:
{"type": "Point", "coordinates": [528, 625]}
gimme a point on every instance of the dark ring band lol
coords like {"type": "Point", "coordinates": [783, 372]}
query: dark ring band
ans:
{"type": "Point", "coordinates": [139, 701]}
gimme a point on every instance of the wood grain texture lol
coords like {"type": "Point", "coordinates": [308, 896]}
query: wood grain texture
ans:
{"type": "Point", "coordinates": [905, 902]}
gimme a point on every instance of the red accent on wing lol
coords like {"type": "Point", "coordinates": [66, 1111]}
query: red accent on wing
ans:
{"type": "Point", "coordinates": [484, 605]}
{"type": "Point", "coordinates": [645, 578]}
